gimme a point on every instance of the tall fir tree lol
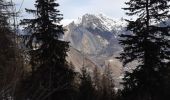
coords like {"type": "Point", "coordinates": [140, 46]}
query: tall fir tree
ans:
{"type": "Point", "coordinates": [86, 89]}
{"type": "Point", "coordinates": [108, 86]}
{"type": "Point", "coordinates": [147, 44]}
{"type": "Point", "coordinates": [51, 78]}
{"type": "Point", "coordinates": [97, 80]}
{"type": "Point", "coordinates": [9, 60]}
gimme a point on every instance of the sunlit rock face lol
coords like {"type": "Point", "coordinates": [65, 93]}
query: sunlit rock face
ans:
{"type": "Point", "coordinates": [95, 34]}
{"type": "Point", "coordinates": [94, 42]}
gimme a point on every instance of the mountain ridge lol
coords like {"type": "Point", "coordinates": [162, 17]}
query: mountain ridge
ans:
{"type": "Point", "coordinates": [92, 39]}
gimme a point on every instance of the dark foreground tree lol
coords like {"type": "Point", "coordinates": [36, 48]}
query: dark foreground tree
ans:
{"type": "Point", "coordinates": [100, 87]}
{"type": "Point", "coordinates": [9, 58]}
{"type": "Point", "coordinates": [98, 84]}
{"type": "Point", "coordinates": [148, 45]}
{"type": "Point", "coordinates": [86, 89]}
{"type": "Point", "coordinates": [50, 78]}
{"type": "Point", "coordinates": [108, 91]}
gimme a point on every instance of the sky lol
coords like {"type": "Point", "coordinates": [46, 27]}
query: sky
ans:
{"type": "Point", "coordinates": [72, 9]}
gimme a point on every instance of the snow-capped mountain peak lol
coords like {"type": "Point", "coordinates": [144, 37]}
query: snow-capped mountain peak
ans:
{"type": "Point", "coordinates": [99, 21]}
{"type": "Point", "coordinates": [94, 34]}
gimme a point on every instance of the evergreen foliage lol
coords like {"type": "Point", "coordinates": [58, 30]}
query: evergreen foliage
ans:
{"type": "Point", "coordinates": [100, 87]}
{"type": "Point", "coordinates": [9, 59]}
{"type": "Point", "coordinates": [86, 89]}
{"type": "Point", "coordinates": [98, 83]}
{"type": "Point", "coordinates": [108, 92]}
{"type": "Point", "coordinates": [148, 45]}
{"type": "Point", "coordinates": [51, 76]}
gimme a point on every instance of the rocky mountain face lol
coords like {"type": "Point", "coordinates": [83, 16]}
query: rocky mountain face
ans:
{"type": "Point", "coordinates": [94, 42]}
{"type": "Point", "coordinates": [94, 34]}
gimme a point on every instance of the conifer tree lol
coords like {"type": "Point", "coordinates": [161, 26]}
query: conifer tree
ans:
{"type": "Point", "coordinates": [9, 67]}
{"type": "Point", "coordinates": [97, 79]}
{"type": "Point", "coordinates": [86, 89]}
{"type": "Point", "coordinates": [51, 78]}
{"type": "Point", "coordinates": [148, 45]}
{"type": "Point", "coordinates": [108, 92]}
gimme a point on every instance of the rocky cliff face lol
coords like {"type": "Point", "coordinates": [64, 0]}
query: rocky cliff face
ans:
{"type": "Point", "coordinates": [94, 34]}
{"type": "Point", "coordinates": [94, 42]}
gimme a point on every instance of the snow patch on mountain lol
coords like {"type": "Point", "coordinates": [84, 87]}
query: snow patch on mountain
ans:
{"type": "Point", "coordinates": [65, 22]}
{"type": "Point", "coordinates": [95, 34]}
{"type": "Point", "coordinates": [96, 37]}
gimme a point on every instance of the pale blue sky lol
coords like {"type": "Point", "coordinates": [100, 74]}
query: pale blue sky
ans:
{"type": "Point", "coordinates": [72, 9]}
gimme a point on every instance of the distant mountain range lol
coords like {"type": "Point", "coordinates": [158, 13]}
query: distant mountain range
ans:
{"type": "Point", "coordinates": [95, 34]}
{"type": "Point", "coordinates": [94, 42]}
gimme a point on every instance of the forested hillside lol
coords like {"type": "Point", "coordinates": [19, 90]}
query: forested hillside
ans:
{"type": "Point", "coordinates": [95, 57]}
